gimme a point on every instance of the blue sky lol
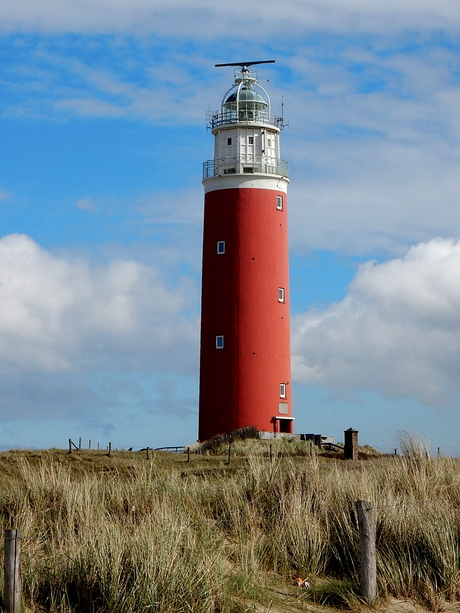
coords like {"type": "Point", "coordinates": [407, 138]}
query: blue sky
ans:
{"type": "Point", "coordinates": [103, 135]}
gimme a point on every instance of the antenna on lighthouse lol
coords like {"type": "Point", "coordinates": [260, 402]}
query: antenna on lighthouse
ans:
{"type": "Point", "coordinates": [245, 65]}
{"type": "Point", "coordinates": [246, 76]}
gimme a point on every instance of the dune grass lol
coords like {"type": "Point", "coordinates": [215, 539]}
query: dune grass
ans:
{"type": "Point", "coordinates": [125, 534]}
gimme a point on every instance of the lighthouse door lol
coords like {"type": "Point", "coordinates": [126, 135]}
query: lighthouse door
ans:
{"type": "Point", "coordinates": [285, 425]}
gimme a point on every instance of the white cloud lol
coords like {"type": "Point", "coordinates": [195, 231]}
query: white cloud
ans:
{"type": "Point", "coordinates": [211, 18]}
{"type": "Point", "coordinates": [374, 196]}
{"type": "Point", "coordinates": [104, 77]}
{"type": "Point", "coordinates": [397, 331]}
{"type": "Point", "coordinates": [373, 171]}
{"type": "Point", "coordinates": [61, 316]}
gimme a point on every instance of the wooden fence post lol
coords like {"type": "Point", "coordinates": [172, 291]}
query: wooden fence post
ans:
{"type": "Point", "coordinates": [229, 454]}
{"type": "Point", "coordinates": [12, 578]}
{"type": "Point", "coordinates": [147, 452]}
{"type": "Point", "coordinates": [72, 444]}
{"type": "Point", "coordinates": [366, 523]}
{"type": "Point", "coordinates": [110, 450]}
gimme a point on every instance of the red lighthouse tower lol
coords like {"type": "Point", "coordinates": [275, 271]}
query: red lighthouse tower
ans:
{"type": "Point", "coordinates": [245, 374]}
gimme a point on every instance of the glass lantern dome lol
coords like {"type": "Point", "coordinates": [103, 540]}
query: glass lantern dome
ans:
{"type": "Point", "coordinates": [245, 104]}
{"type": "Point", "coordinates": [246, 101]}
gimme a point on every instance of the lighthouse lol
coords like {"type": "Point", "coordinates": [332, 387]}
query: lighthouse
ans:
{"type": "Point", "coordinates": [245, 373]}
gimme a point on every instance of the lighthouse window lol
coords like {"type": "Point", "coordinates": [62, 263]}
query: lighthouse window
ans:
{"type": "Point", "coordinates": [220, 247]}
{"type": "Point", "coordinates": [250, 140]}
{"type": "Point", "coordinates": [279, 203]}
{"type": "Point", "coordinates": [220, 341]}
{"type": "Point", "coordinates": [282, 390]}
{"type": "Point", "coordinates": [283, 408]}
{"type": "Point", "coordinates": [281, 294]}
{"type": "Point", "coordinates": [229, 141]}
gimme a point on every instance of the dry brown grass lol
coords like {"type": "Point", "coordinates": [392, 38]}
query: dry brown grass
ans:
{"type": "Point", "coordinates": [125, 534]}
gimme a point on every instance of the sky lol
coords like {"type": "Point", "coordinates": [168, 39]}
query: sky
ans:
{"type": "Point", "coordinates": [103, 128]}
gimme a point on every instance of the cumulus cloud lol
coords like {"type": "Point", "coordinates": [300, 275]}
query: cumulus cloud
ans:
{"type": "Point", "coordinates": [59, 315]}
{"type": "Point", "coordinates": [397, 330]}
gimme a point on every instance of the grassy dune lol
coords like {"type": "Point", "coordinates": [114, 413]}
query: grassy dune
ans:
{"type": "Point", "coordinates": [128, 535]}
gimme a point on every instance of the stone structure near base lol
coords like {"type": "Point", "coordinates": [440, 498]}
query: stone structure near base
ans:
{"type": "Point", "coordinates": [351, 444]}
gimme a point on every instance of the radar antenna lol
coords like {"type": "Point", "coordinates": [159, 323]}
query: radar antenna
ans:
{"type": "Point", "coordinates": [245, 65]}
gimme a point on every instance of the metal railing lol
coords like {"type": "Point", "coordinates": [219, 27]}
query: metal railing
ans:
{"type": "Point", "coordinates": [237, 166]}
{"type": "Point", "coordinates": [245, 116]}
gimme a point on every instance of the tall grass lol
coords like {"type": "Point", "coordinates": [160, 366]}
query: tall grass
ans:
{"type": "Point", "coordinates": [128, 535]}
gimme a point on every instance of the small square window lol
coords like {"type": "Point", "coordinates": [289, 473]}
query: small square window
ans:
{"type": "Point", "coordinates": [229, 141]}
{"type": "Point", "coordinates": [220, 247]}
{"type": "Point", "coordinates": [250, 140]}
{"type": "Point", "coordinates": [281, 294]}
{"type": "Point", "coordinates": [220, 341]}
{"type": "Point", "coordinates": [282, 390]}
{"type": "Point", "coordinates": [279, 203]}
